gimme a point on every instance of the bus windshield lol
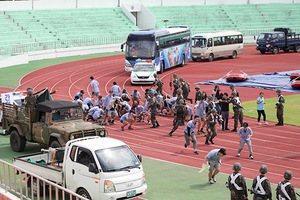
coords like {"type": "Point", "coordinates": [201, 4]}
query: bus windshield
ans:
{"type": "Point", "coordinates": [144, 49]}
{"type": "Point", "coordinates": [267, 36]}
{"type": "Point", "coordinates": [199, 42]}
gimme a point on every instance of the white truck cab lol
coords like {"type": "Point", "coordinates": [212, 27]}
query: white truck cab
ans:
{"type": "Point", "coordinates": [94, 167]}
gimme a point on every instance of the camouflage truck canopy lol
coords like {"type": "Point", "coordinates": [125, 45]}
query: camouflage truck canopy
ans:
{"type": "Point", "coordinates": [48, 106]}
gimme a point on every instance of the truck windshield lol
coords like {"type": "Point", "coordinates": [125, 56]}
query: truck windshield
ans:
{"type": "Point", "coordinates": [199, 42]}
{"type": "Point", "coordinates": [117, 159]}
{"type": "Point", "coordinates": [267, 36]}
{"type": "Point", "coordinates": [66, 114]}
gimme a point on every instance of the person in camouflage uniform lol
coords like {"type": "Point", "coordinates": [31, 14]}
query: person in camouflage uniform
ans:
{"type": "Point", "coordinates": [211, 121]}
{"type": "Point", "coordinates": [211, 105]}
{"type": "Point", "coordinates": [261, 185]}
{"type": "Point", "coordinates": [185, 86]}
{"type": "Point", "coordinates": [153, 108]}
{"type": "Point", "coordinates": [238, 111]}
{"type": "Point", "coordinates": [234, 90]}
{"type": "Point", "coordinates": [285, 189]}
{"type": "Point", "coordinates": [179, 116]}
{"type": "Point", "coordinates": [159, 84]}
{"type": "Point", "coordinates": [198, 93]}
{"type": "Point", "coordinates": [179, 96]}
{"type": "Point", "coordinates": [176, 84]}
{"type": "Point", "coordinates": [30, 99]}
{"type": "Point", "coordinates": [279, 107]}
{"type": "Point", "coordinates": [237, 184]}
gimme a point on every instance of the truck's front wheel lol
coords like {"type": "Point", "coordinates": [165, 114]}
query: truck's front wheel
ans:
{"type": "Point", "coordinates": [84, 193]}
{"type": "Point", "coordinates": [17, 142]}
{"type": "Point", "coordinates": [275, 50]}
{"type": "Point", "coordinates": [262, 51]}
{"type": "Point", "coordinates": [297, 49]}
{"type": "Point", "coordinates": [55, 144]}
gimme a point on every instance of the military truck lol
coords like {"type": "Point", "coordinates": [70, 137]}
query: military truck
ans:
{"type": "Point", "coordinates": [51, 123]}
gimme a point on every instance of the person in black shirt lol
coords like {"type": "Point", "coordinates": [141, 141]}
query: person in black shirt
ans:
{"type": "Point", "coordinates": [225, 111]}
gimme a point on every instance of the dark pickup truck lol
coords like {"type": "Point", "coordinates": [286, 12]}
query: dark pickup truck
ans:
{"type": "Point", "coordinates": [281, 39]}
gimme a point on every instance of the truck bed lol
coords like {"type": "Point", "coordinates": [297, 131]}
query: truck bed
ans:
{"type": "Point", "coordinates": [51, 171]}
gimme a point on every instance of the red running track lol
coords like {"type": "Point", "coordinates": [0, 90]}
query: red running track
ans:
{"type": "Point", "coordinates": [277, 147]}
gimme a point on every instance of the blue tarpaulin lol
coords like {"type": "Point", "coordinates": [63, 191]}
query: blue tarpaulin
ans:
{"type": "Point", "coordinates": [271, 81]}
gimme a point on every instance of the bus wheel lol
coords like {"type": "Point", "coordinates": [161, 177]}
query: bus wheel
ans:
{"type": "Point", "coordinates": [162, 69]}
{"type": "Point", "coordinates": [262, 52]}
{"type": "Point", "coordinates": [211, 57]}
{"type": "Point", "coordinates": [297, 49]}
{"type": "Point", "coordinates": [275, 50]}
{"type": "Point", "coordinates": [234, 55]}
{"type": "Point", "coordinates": [183, 61]}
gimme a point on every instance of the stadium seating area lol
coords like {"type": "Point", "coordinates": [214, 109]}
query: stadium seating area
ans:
{"type": "Point", "coordinates": [85, 25]}
{"type": "Point", "coordinates": [51, 25]}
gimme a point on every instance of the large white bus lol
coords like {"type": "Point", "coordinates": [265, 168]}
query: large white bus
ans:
{"type": "Point", "coordinates": [219, 44]}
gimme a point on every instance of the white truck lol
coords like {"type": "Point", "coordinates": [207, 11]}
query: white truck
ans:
{"type": "Point", "coordinates": [94, 167]}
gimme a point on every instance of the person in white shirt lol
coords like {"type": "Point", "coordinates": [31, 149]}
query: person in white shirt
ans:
{"type": "Point", "coordinates": [95, 87]}
{"type": "Point", "coordinates": [116, 89]}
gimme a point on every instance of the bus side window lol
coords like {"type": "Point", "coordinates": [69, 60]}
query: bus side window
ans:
{"type": "Point", "coordinates": [209, 43]}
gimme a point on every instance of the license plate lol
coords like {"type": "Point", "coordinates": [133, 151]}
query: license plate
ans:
{"type": "Point", "coordinates": [131, 193]}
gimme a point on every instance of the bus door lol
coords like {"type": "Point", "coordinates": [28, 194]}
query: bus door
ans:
{"type": "Point", "coordinates": [210, 47]}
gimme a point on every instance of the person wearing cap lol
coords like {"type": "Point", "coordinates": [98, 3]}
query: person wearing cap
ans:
{"type": "Point", "coordinates": [237, 184]}
{"type": "Point", "coordinates": [135, 97]}
{"type": "Point", "coordinates": [260, 101]}
{"type": "Point", "coordinates": [279, 107]}
{"type": "Point", "coordinates": [80, 94]}
{"type": "Point", "coordinates": [285, 190]}
{"type": "Point", "coordinates": [158, 83]}
{"type": "Point", "coordinates": [237, 109]}
{"type": "Point", "coordinates": [211, 121]}
{"type": "Point", "coordinates": [213, 159]}
{"type": "Point", "coordinates": [261, 185]}
{"type": "Point", "coordinates": [245, 134]}
{"type": "Point", "coordinates": [225, 111]}
{"type": "Point", "coordinates": [201, 112]}
{"type": "Point", "coordinates": [95, 87]}
{"type": "Point", "coordinates": [198, 93]}
{"type": "Point", "coordinates": [189, 132]}
{"type": "Point", "coordinates": [176, 84]}
{"type": "Point", "coordinates": [185, 86]}
{"type": "Point", "coordinates": [180, 112]}
{"type": "Point", "coordinates": [116, 89]}
{"type": "Point", "coordinates": [127, 118]}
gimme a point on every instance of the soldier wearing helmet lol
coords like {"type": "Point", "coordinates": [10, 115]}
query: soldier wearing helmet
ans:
{"type": "Point", "coordinates": [279, 107]}
{"type": "Point", "coordinates": [211, 105]}
{"type": "Point", "coordinates": [211, 121]}
{"type": "Point", "coordinates": [234, 90]}
{"type": "Point", "coordinates": [285, 190]}
{"type": "Point", "coordinates": [237, 183]}
{"type": "Point", "coordinates": [237, 109]}
{"type": "Point", "coordinates": [198, 93]}
{"type": "Point", "coordinates": [185, 86]}
{"type": "Point", "coordinates": [176, 84]}
{"type": "Point", "coordinates": [179, 96]}
{"type": "Point", "coordinates": [159, 84]}
{"type": "Point", "coordinates": [180, 114]}
{"type": "Point", "coordinates": [30, 99]}
{"type": "Point", "coordinates": [153, 107]}
{"type": "Point", "coordinates": [261, 185]}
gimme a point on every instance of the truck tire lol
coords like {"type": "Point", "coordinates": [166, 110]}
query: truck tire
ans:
{"type": "Point", "coordinates": [34, 187]}
{"type": "Point", "coordinates": [234, 55]}
{"type": "Point", "coordinates": [275, 50]}
{"type": "Point", "coordinates": [183, 61]}
{"type": "Point", "coordinates": [297, 48]}
{"type": "Point", "coordinates": [84, 193]}
{"type": "Point", "coordinates": [286, 50]}
{"type": "Point", "coordinates": [17, 142]}
{"type": "Point", "coordinates": [55, 144]}
{"type": "Point", "coordinates": [262, 51]}
{"type": "Point", "coordinates": [211, 57]}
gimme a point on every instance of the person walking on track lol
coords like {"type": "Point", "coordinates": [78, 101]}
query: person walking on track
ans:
{"type": "Point", "coordinates": [180, 114]}
{"type": "Point", "coordinates": [176, 84]}
{"type": "Point", "coordinates": [95, 87]}
{"type": "Point", "coordinates": [211, 121]}
{"type": "Point", "coordinates": [245, 134]}
{"type": "Point", "coordinates": [189, 132]}
{"type": "Point", "coordinates": [213, 158]}
{"type": "Point", "coordinates": [237, 184]}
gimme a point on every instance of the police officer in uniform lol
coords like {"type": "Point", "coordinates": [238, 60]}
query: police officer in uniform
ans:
{"type": "Point", "coordinates": [176, 84]}
{"type": "Point", "coordinates": [237, 184]}
{"type": "Point", "coordinates": [285, 190]}
{"type": "Point", "coordinates": [185, 86]}
{"type": "Point", "coordinates": [198, 94]}
{"type": "Point", "coordinates": [179, 115]}
{"type": "Point", "coordinates": [238, 111]}
{"type": "Point", "coordinates": [261, 185]}
{"type": "Point", "coordinates": [212, 120]}
{"type": "Point", "coordinates": [279, 107]}
{"type": "Point", "coordinates": [159, 84]}
{"type": "Point", "coordinates": [153, 108]}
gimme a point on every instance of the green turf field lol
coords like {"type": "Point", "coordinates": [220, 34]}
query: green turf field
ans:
{"type": "Point", "coordinates": [10, 76]}
{"type": "Point", "coordinates": [291, 109]}
{"type": "Point", "coordinates": [166, 181]}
